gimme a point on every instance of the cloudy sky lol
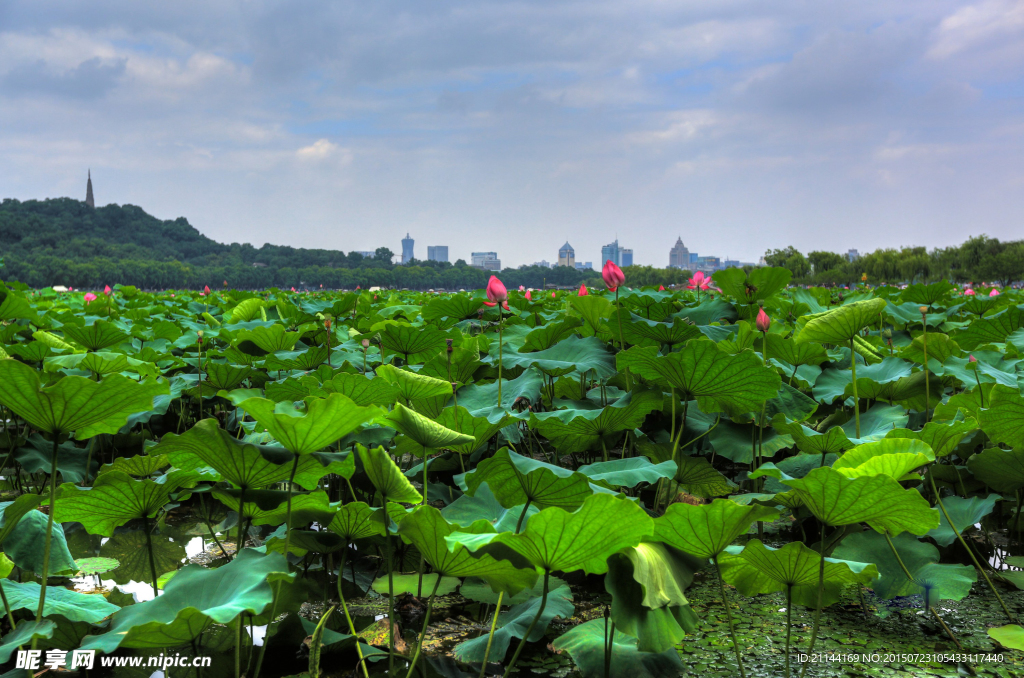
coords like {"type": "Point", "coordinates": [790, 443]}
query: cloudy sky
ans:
{"type": "Point", "coordinates": [515, 126]}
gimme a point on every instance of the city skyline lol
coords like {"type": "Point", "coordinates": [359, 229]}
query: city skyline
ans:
{"type": "Point", "coordinates": [742, 125]}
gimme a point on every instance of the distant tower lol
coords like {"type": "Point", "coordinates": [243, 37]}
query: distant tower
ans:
{"type": "Point", "coordinates": [407, 243]}
{"type": "Point", "coordinates": [88, 192]}
{"type": "Point", "coordinates": [679, 256]}
{"type": "Point", "coordinates": [567, 255]}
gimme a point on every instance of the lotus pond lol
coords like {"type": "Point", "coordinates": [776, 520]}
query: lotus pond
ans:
{"type": "Point", "coordinates": [632, 482]}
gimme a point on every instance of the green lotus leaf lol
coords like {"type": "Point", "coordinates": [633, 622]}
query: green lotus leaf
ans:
{"type": "Point", "coordinates": [927, 294]}
{"type": "Point", "coordinates": [426, 529]}
{"type": "Point", "coordinates": [567, 356]}
{"type": "Point", "coordinates": [840, 325]}
{"type": "Point", "coordinates": [482, 505]}
{"type": "Point", "coordinates": [515, 479]}
{"type": "Point", "coordinates": [514, 623]}
{"type": "Point", "coordinates": [26, 632]}
{"type": "Point", "coordinates": [1003, 421]}
{"type": "Point", "coordinates": [193, 601]}
{"type": "Point", "coordinates": [325, 421]}
{"type": "Point", "coordinates": [794, 353]}
{"type": "Point", "coordinates": [264, 340]}
{"type": "Point", "coordinates": [413, 386]}
{"type": "Point", "coordinates": [791, 403]}
{"type": "Point", "coordinates": [991, 367]}
{"type": "Point", "coordinates": [13, 306]}
{"type": "Point", "coordinates": [628, 472]}
{"type": "Point", "coordinates": [97, 565]}
{"type": "Point", "coordinates": [480, 429]}
{"type": "Point", "coordinates": [965, 514]}
{"type": "Point", "coordinates": [365, 391]}
{"type": "Point", "coordinates": [963, 405]}
{"type": "Point", "coordinates": [580, 430]}
{"type": "Point", "coordinates": [546, 336]}
{"type": "Point", "coordinates": [99, 363]}
{"type": "Point", "coordinates": [873, 381]}
{"type": "Point", "coordinates": [555, 539]}
{"type": "Point", "coordinates": [356, 520]}
{"type": "Point", "coordinates": [705, 530]}
{"type": "Point", "coordinates": [36, 456]}
{"type": "Point", "coordinates": [96, 337]}
{"type": "Point", "coordinates": [25, 544]}
{"type": "Point", "coordinates": [943, 438]}
{"type": "Point", "coordinates": [586, 645]}
{"type": "Point", "coordinates": [425, 432]}
{"type": "Point", "coordinates": [832, 441]}
{"type": "Point", "coordinates": [761, 283]}
{"type": "Point", "coordinates": [637, 329]}
{"type": "Point", "coordinates": [593, 309]}
{"type": "Point", "coordinates": [139, 466]}
{"type": "Point", "coordinates": [696, 476]}
{"type": "Point", "coordinates": [940, 348]}
{"type": "Point", "coordinates": [992, 329]}
{"type": "Point", "coordinates": [132, 552]}
{"type": "Point", "coordinates": [113, 500]}
{"type": "Point", "coordinates": [1010, 636]}
{"type": "Point", "coordinates": [937, 582]}
{"type": "Point", "coordinates": [458, 306]}
{"type": "Point", "coordinates": [894, 457]}
{"type": "Point", "coordinates": [223, 376]}
{"type": "Point", "coordinates": [877, 500]}
{"type": "Point", "coordinates": [75, 404]}
{"type": "Point", "coordinates": [482, 400]}
{"type": "Point", "coordinates": [758, 569]}
{"type": "Point", "coordinates": [14, 511]}
{"type": "Point", "coordinates": [876, 423]}
{"type": "Point", "coordinates": [71, 605]}
{"type": "Point", "coordinates": [415, 343]}
{"type": "Point", "coordinates": [267, 507]}
{"type": "Point", "coordinates": [415, 584]}
{"type": "Point", "coordinates": [1002, 470]}
{"type": "Point", "coordinates": [387, 477]}
{"type": "Point", "coordinates": [733, 441]}
{"type": "Point", "coordinates": [719, 381]}
{"type": "Point", "coordinates": [646, 584]}
{"type": "Point", "coordinates": [246, 310]}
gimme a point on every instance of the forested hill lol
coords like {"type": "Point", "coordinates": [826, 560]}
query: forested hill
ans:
{"type": "Point", "coordinates": [64, 242]}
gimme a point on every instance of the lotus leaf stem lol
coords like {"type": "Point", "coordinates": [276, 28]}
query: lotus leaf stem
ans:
{"type": "Point", "coordinates": [533, 624]}
{"type": "Point", "coordinates": [423, 631]}
{"type": "Point", "coordinates": [856, 404]}
{"type": "Point", "coordinates": [45, 573]}
{"type": "Point", "coordinates": [821, 590]}
{"type": "Point", "coordinates": [728, 616]}
{"type": "Point", "coordinates": [490, 636]}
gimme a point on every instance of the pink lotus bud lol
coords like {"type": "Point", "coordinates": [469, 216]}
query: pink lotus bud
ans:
{"type": "Point", "coordinates": [612, 275]}
{"type": "Point", "coordinates": [528, 296]}
{"type": "Point", "coordinates": [89, 296]}
{"type": "Point", "coordinates": [583, 291]}
{"type": "Point", "coordinates": [661, 288]}
{"type": "Point", "coordinates": [763, 322]}
{"type": "Point", "coordinates": [293, 289]}
{"type": "Point", "coordinates": [969, 292]}
{"type": "Point", "coordinates": [365, 343]}
{"type": "Point", "coordinates": [994, 293]}
{"type": "Point", "coordinates": [521, 288]}
{"type": "Point", "coordinates": [972, 359]}
{"type": "Point", "coordinates": [552, 295]}
{"type": "Point", "coordinates": [496, 292]}
{"type": "Point", "coordinates": [206, 289]}
{"type": "Point", "coordinates": [107, 290]}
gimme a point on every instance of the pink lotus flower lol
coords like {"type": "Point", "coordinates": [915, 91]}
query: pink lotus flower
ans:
{"type": "Point", "coordinates": [358, 287]}
{"type": "Point", "coordinates": [206, 289]}
{"type": "Point", "coordinates": [552, 295]}
{"type": "Point", "coordinates": [89, 297]}
{"type": "Point", "coordinates": [994, 293]}
{"type": "Point", "coordinates": [293, 289]}
{"type": "Point", "coordinates": [699, 282]}
{"type": "Point", "coordinates": [496, 293]}
{"type": "Point", "coordinates": [529, 297]}
{"type": "Point", "coordinates": [763, 322]}
{"type": "Point", "coordinates": [969, 292]}
{"type": "Point", "coordinates": [661, 288]}
{"type": "Point", "coordinates": [107, 290]}
{"type": "Point", "coordinates": [521, 288]}
{"type": "Point", "coordinates": [612, 275]}
{"type": "Point", "coordinates": [583, 291]}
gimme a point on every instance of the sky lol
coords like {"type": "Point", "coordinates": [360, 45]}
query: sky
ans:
{"type": "Point", "coordinates": [516, 126]}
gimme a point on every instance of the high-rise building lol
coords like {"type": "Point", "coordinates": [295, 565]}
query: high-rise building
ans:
{"type": "Point", "coordinates": [610, 252]}
{"type": "Point", "coordinates": [407, 243]}
{"type": "Point", "coordinates": [437, 252]}
{"type": "Point", "coordinates": [852, 255]}
{"type": "Point", "coordinates": [88, 191]}
{"type": "Point", "coordinates": [488, 261]}
{"type": "Point", "coordinates": [567, 255]}
{"type": "Point", "coordinates": [679, 256]}
{"type": "Point", "coordinates": [584, 266]}
{"type": "Point", "coordinates": [543, 263]}
{"type": "Point", "coordinates": [625, 257]}
{"type": "Point", "coordinates": [366, 254]}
